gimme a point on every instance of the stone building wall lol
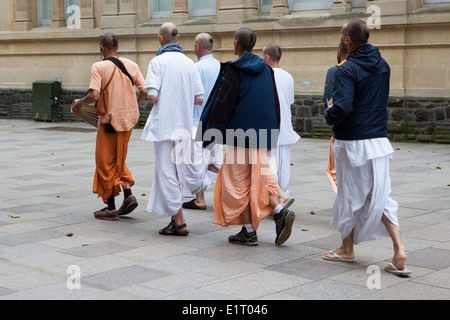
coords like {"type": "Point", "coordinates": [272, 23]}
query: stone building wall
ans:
{"type": "Point", "coordinates": [413, 36]}
{"type": "Point", "coordinates": [410, 119]}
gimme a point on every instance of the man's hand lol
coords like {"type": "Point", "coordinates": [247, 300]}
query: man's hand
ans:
{"type": "Point", "coordinates": [91, 98]}
{"type": "Point", "coordinates": [76, 107]}
{"type": "Point", "coordinates": [330, 103]}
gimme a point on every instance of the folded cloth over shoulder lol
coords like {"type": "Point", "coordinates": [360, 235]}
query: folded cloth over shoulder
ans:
{"type": "Point", "coordinates": [360, 151]}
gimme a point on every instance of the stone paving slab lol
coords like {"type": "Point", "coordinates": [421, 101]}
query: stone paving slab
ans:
{"type": "Point", "coordinates": [46, 172]}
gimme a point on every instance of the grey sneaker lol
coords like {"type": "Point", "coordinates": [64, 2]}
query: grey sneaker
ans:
{"type": "Point", "coordinates": [106, 214]}
{"type": "Point", "coordinates": [245, 238]}
{"type": "Point", "coordinates": [283, 225]}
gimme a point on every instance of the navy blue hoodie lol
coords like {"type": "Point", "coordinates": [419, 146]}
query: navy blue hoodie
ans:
{"type": "Point", "coordinates": [360, 96]}
{"type": "Point", "coordinates": [243, 105]}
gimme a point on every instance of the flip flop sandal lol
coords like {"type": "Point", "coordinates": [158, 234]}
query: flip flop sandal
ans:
{"type": "Point", "coordinates": [337, 258]}
{"type": "Point", "coordinates": [191, 205]}
{"type": "Point", "coordinates": [173, 230]}
{"type": "Point", "coordinates": [400, 273]}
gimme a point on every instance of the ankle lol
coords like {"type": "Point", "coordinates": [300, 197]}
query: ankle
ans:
{"type": "Point", "coordinates": [127, 193]}
{"type": "Point", "coordinates": [111, 203]}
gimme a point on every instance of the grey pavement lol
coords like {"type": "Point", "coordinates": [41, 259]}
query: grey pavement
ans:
{"type": "Point", "coordinates": [48, 235]}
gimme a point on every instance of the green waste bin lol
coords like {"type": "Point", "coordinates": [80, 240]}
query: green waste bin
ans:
{"type": "Point", "coordinates": [47, 100]}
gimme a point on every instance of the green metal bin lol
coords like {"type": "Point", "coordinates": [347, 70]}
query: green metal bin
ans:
{"type": "Point", "coordinates": [47, 100]}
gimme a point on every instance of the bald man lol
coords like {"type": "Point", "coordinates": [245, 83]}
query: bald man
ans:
{"type": "Point", "coordinates": [174, 86]}
{"type": "Point", "coordinates": [115, 126]}
{"type": "Point", "coordinates": [280, 157]}
{"type": "Point", "coordinates": [205, 163]}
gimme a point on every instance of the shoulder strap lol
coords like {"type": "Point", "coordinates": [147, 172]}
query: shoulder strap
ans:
{"type": "Point", "coordinates": [122, 68]}
{"type": "Point", "coordinates": [110, 79]}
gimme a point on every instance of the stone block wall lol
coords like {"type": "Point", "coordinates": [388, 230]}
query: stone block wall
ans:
{"type": "Point", "coordinates": [18, 104]}
{"type": "Point", "coordinates": [410, 119]}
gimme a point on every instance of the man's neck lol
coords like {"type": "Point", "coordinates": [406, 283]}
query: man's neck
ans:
{"type": "Point", "coordinates": [241, 53]}
{"type": "Point", "coordinates": [111, 54]}
{"type": "Point", "coordinates": [203, 54]}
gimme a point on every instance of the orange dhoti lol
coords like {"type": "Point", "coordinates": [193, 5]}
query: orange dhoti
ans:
{"type": "Point", "coordinates": [110, 155]}
{"type": "Point", "coordinates": [244, 179]}
{"type": "Point", "coordinates": [331, 169]}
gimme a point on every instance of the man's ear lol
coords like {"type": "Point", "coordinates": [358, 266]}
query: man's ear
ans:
{"type": "Point", "coordinates": [347, 39]}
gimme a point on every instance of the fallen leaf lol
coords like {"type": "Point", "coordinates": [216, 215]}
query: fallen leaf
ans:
{"type": "Point", "coordinates": [14, 216]}
{"type": "Point", "coordinates": [70, 234]}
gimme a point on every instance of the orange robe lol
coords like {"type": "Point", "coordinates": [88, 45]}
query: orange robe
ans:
{"type": "Point", "coordinates": [245, 178]}
{"type": "Point", "coordinates": [331, 170]}
{"type": "Point", "coordinates": [111, 170]}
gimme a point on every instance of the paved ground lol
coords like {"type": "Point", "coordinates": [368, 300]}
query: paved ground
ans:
{"type": "Point", "coordinates": [46, 172]}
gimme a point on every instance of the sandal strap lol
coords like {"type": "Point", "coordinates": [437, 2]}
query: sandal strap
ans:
{"type": "Point", "coordinates": [173, 229]}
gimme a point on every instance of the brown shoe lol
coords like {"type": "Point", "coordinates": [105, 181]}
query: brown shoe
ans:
{"type": "Point", "coordinates": [106, 214]}
{"type": "Point", "coordinates": [128, 205]}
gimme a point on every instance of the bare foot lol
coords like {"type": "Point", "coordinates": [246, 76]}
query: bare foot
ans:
{"type": "Point", "coordinates": [199, 203]}
{"type": "Point", "coordinates": [398, 261]}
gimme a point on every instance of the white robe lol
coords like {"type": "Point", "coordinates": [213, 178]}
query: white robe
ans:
{"type": "Point", "coordinates": [166, 197]}
{"type": "Point", "coordinates": [364, 187]}
{"type": "Point", "coordinates": [280, 157]}
{"type": "Point", "coordinates": [169, 125]}
{"type": "Point", "coordinates": [280, 162]}
{"type": "Point", "coordinates": [197, 177]}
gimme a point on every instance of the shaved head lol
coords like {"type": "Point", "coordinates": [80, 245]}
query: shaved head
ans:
{"type": "Point", "coordinates": [169, 32]}
{"type": "Point", "coordinates": [246, 38]}
{"type": "Point", "coordinates": [109, 41]}
{"type": "Point", "coordinates": [273, 51]}
{"type": "Point", "coordinates": [205, 41]}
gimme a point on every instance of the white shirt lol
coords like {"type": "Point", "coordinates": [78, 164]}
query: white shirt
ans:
{"type": "Point", "coordinates": [285, 90]}
{"type": "Point", "coordinates": [208, 68]}
{"type": "Point", "coordinates": [178, 83]}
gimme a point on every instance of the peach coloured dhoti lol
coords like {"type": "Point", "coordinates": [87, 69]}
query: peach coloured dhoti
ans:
{"type": "Point", "coordinates": [331, 168]}
{"type": "Point", "coordinates": [245, 178]}
{"type": "Point", "coordinates": [110, 155]}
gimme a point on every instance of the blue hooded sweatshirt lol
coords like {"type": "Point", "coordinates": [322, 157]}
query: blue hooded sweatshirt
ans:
{"type": "Point", "coordinates": [243, 106]}
{"type": "Point", "coordinates": [360, 96]}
